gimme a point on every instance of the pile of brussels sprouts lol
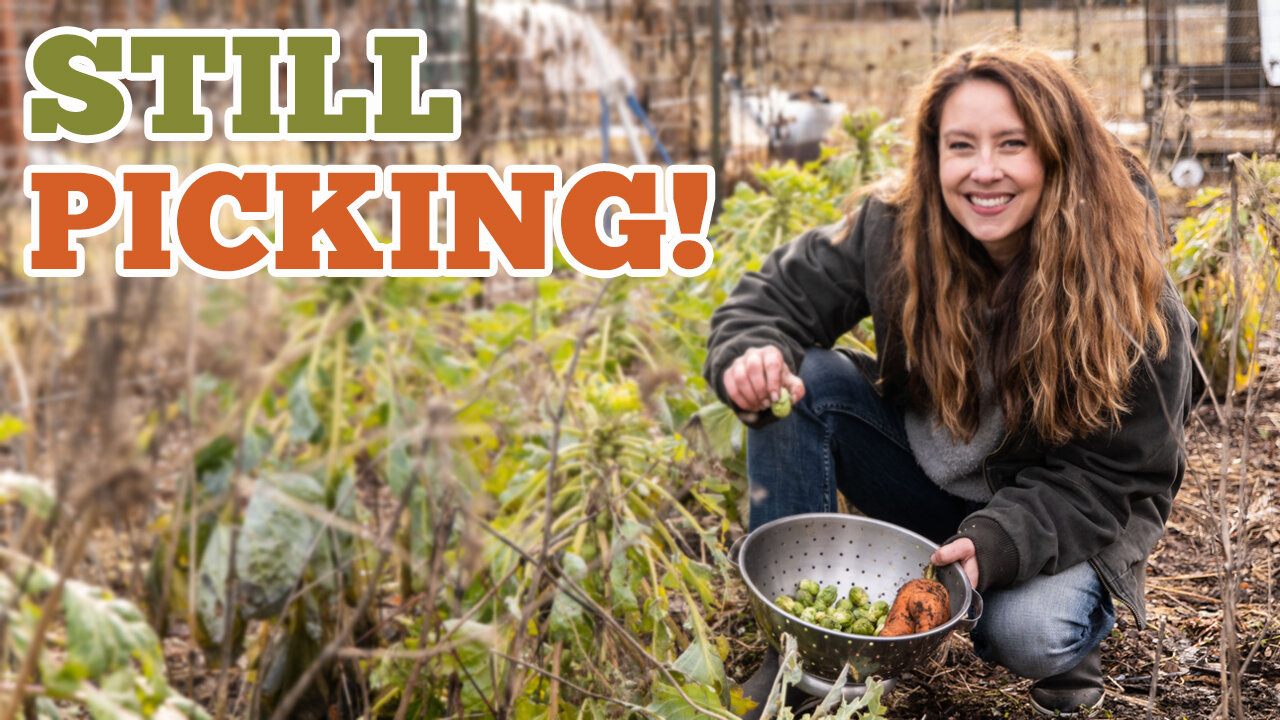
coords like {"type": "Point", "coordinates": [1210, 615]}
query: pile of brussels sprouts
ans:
{"type": "Point", "coordinates": [823, 606]}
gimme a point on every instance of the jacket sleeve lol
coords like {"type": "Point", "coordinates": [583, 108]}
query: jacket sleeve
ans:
{"type": "Point", "coordinates": [807, 293]}
{"type": "Point", "coordinates": [1065, 510]}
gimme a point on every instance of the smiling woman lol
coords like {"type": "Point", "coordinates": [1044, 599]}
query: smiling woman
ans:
{"type": "Point", "coordinates": [1033, 373]}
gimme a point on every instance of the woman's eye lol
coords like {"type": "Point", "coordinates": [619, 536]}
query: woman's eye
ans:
{"type": "Point", "coordinates": [1017, 144]}
{"type": "Point", "coordinates": [958, 145]}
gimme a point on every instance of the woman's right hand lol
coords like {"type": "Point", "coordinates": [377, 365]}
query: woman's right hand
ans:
{"type": "Point", "coordinates": [755, 380]}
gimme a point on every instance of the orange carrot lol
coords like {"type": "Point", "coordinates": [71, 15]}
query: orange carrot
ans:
{"type": "Point", "coordinates": [921, 605]}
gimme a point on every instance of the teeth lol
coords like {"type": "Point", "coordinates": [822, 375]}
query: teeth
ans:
{"type": "Point", "coordinates": [990, 202]}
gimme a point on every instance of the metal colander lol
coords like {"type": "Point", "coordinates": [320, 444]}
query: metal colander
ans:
{"type": "Point", "coordinates": [846, 550]}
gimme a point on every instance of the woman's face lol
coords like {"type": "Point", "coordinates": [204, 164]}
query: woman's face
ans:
{"type": "Point", "coordinates": [991, 176]}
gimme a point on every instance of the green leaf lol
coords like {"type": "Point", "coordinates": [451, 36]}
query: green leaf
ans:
{"type": "Point", "coordinates": [31, 492]}
{"type": "Point", "coordinates": [254, 448]}
{"type": "Point", "coordinates": [305, 423]}
{"type": "Point", "coordinates": [47, 710]}
{"type": "Point", "coordinates": [723, 429]}
{"type": "Point", "coordinates": [399, 468]}
{"type": "Point", "coordinates": [669, 705]}
{"type": "Point", "coordinates": [568, 621]}
{"type": "Point", "coordinates": [702, 663]}
{"type": "Point", "coordinates": [276, 541]}
{"type": "Point", "coordinates": [621, 580]}
{"type": "Point", "coordinates": [698, 576]}
{"type": "Point", "coordinates": [215, 464]}
{"type": "Point", "coordinates": [116, 699]}
{"type": "Point", "coordinates": [211, 600]}
{"type": "Point", "coordinates": [575, 568]}
{"type": "Point", "coordinates": [473, 658]}
{"type": "Point", "coordinates": [104, 633]}
{"type": "Point", "coordinates": [527, 709]}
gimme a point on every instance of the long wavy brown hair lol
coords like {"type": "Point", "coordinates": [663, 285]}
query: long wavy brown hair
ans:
{"type": "Point", "coordinates": [1062, 329]}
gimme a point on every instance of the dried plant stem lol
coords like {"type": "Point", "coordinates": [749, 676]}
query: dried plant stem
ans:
{"type": "Point", "coordinates": [553, 693]}
{"type": "Point", "coordinates": [515, 679]}
{"type": "Point", "coordinates": [1233, 521]}
{"type": "Point", "coordinates": [1155, 670]}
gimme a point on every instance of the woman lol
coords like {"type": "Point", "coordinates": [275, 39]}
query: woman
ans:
{"type": "Point", "coordinates": [1034, 368]}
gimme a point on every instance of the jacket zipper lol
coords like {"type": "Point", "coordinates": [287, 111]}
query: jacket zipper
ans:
{"type": "Point", "coordinates": [986, 478]}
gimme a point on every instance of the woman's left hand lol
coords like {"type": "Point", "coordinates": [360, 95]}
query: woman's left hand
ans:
{"type": "Point", "coordinates": [959, 551]}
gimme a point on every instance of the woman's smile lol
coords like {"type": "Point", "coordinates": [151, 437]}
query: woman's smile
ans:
{"type": "Point", "coordinates": [989, 204]}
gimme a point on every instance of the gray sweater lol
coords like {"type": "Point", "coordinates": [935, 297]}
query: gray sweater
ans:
{"type": "Point", "coordinates": [957, 466]}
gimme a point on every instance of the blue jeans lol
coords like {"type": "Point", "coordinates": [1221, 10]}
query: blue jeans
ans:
{"type": "Point", "coordinates": [843, 437]}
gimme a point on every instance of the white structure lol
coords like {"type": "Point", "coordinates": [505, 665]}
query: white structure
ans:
{"type": "Point", "coordinates": [789, 124]}
{"type": "Point", "coordinates": [1269, 26]}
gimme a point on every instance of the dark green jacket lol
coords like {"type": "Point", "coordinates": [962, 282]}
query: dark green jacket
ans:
{"type": "Point", "coordinates": [1102, 499]}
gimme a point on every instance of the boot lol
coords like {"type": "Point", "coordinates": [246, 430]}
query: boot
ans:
{"type": "Point", "coordinates": [758, 686]}
{"type": "Point", "coordinates": [1074, 693]}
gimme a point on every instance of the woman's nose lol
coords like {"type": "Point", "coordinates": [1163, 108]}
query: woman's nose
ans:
{"type": "Point", "coordinates": [987, 169]}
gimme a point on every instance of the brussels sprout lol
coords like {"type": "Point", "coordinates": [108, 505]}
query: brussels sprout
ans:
{"type": "Point", "coordinates": [830, 623]}
{"type": "Point", "coordinates": [863, 626]}
{"type": "Point", "coordinates": [782, 407]}
{"type": "Point", "coordinates": [809, 615]}
{"type": "Point", "coordinates": [841, 616]}
{"type": "Point", "coordinates": [819, 616]}
{"type": "Point", "coordinates": [787, 604]}
{"type": "Point", "coordinates": [804, 598]}
{"type": "Point", "coordinates": [811, 587]}
{"type": "Point", "coordinates": [829, 595]}
{"type": "Point", "coordinates": [844, 604]}
{"type": "Point", "coordinates": [879, 609]}
{"type": "Point", "coordinates": [858, 596]}
{"type": "Point", "coordinates": [880, 625]}
{"type": "Point", "coordinates": [862, 613]}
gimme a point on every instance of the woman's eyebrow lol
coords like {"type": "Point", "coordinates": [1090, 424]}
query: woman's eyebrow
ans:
{"type": "Point", "coordinates": [965, 134]}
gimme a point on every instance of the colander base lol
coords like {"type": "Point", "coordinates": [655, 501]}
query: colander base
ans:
{"type": "Point", "coordinates": [818, 686]}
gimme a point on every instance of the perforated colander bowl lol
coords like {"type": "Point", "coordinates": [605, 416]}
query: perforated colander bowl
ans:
{"type": "Point", "coordinates": [846, 550]}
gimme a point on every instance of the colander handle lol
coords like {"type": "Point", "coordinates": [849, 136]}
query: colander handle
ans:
{"type": "Point", "coordinates": [734, 551]}
{"type": "Point", "coordinates": [975, 612]}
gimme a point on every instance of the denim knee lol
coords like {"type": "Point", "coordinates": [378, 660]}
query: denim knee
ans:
{"type": "Point", "coordinates": [833, 382]}
{"type": "Point", "coordinates": [831, 374]}
{"type": "Point", "coordinates": [1047, 625]}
